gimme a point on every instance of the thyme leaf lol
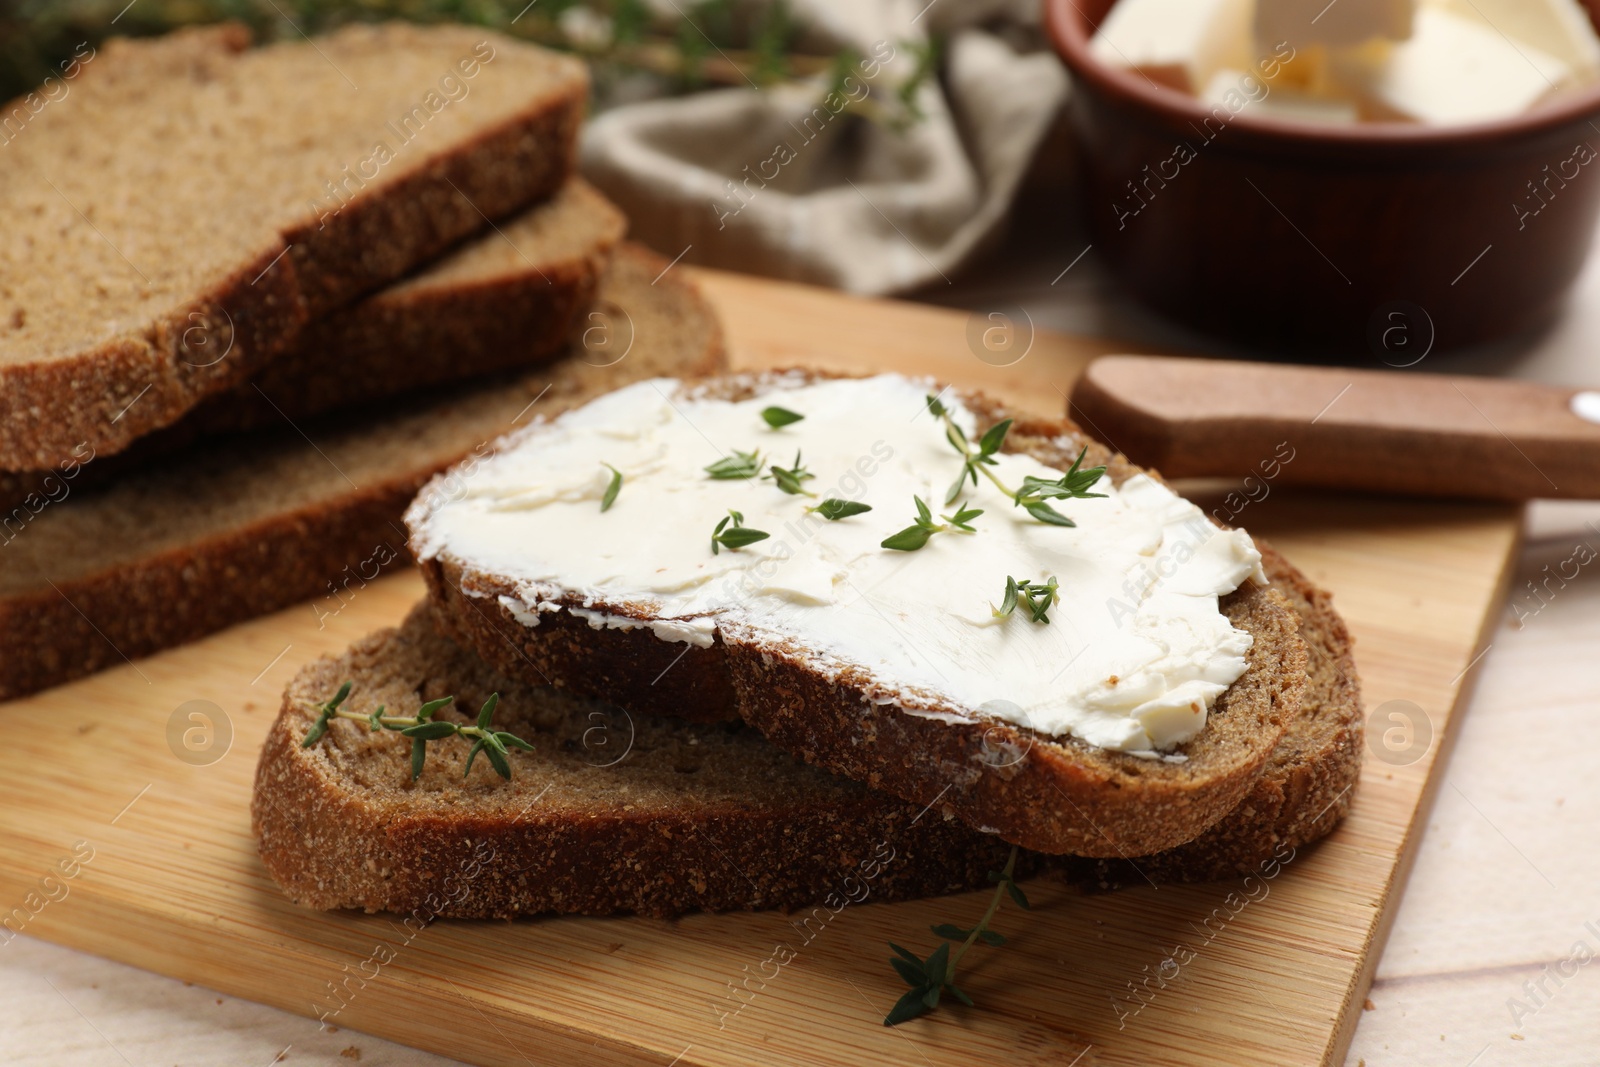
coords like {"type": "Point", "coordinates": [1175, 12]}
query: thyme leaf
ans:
{"type": "Point", "coordinates": [612, 489]}
{"type": "Point", "coordinates": [833, 509]}
{"type": "Point", "coordinates": [778, 418]}
{"type": "Point", "coordinates": [738, 465]}
{"type": "Point", "coordinates": [789, 479]}
{"type": "Point", "coordinates": [733, 534]}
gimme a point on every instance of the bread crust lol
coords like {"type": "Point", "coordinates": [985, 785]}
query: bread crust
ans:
{"type": "Point", "coordinates": [117, 390]}
{"type": "Point", "coordinates": [58, 622]}
{"type": "Point", "coordinates": [1308, 784]}
{"type": "Point", "coordinates": [1050, 795]}
{"type": "Point", "coordinates": [632, 668]}
{"type": "Point", "coordinates": [340, 825]}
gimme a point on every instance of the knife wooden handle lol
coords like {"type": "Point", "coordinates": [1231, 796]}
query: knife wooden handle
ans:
{"type": "Point", "coordinates": [1381, 431]}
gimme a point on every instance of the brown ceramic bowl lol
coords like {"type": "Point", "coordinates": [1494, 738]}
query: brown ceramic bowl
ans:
{"type": "Point", "coordinates": [1387, 238]}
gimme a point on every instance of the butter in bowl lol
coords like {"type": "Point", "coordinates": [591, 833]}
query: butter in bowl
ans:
{"type": "Point", "coordinates": [1302, 176]}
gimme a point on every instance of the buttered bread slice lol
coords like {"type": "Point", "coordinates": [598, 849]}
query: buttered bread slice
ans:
{"type": "Point", "coordinates": [930, 596]}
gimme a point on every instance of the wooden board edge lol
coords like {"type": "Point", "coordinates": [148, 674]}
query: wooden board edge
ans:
{"type": "Point", "coordinates": [1361, 982]}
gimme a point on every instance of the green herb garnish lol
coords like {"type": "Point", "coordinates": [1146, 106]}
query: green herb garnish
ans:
{"type": "Point", "coordinates": [928, 978]}
{"type": "Point", "coordinates": [1073, 485]}
{"type": "Point", "coordinates": [833, 509]}
{"type": "Point", "coordinates": [778, 417]}
{"type": "Point", "coordinates": [789, 480]}
{"type": "Point", "coordinates": [612, 489]}
{"type": "Point", "coordinates": [962, 519]}
{"type": "Point", "coordinates": [423, 727]}
{"type": "Point", "coordinates": [916, 535]}
{"type": "Point", "coordinates": [1039, 596]}
{"type": "Point", "coordinates": [733, 534]}
{"type": "Point", "coordinates": [1035, 492]}
{"type": "Point", "coordinates": [738, 465]}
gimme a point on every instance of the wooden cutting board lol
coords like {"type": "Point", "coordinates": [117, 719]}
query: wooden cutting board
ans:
{"type": "Point", "coordinates": [1271, 972]}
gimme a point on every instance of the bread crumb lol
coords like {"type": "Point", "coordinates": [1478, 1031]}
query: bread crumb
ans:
{"type": "Point", "coordinates": [219, 1000]}
{"type": "Point", "coordinates": [1367, 1005]}
{"type": "Point", "coordinates": [351, 1053]}
{"type": "Point", "coordinates": [1518, 1037]}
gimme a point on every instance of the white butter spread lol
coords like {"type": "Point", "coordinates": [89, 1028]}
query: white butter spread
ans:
{"type": "Point", "coordinates": [1135, 652]}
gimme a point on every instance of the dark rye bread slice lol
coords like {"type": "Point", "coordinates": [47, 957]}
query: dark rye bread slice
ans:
{"type": "Point", "coordinates": [193, 197]}
{"type": "Point", "coordinates": [514, 297]}
{"type": "Point", "coordinates": [270, 519]}
{"type": "Point", "coordinates": [608, 814]}
{"type": "Point", "coordinates": [1059, 796]}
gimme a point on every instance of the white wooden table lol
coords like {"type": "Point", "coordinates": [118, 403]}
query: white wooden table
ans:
{"type": "Point", "coordinates": [1504, 885]}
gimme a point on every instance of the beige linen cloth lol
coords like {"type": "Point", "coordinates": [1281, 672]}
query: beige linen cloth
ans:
{"type": "Point", "coordinates": [788, 183]}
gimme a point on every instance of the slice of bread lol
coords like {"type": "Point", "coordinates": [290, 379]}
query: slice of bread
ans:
{"type": "Point", "coordinates": [174, 221]}
{"type": "Point", "coordinates": [1052, 794]}
{"type": "Point", "coordinates": [607, 814]}
{"type": "Point", "coordinates": [513, 298]}
{"type": "Point", "coordinates": [270, 519]}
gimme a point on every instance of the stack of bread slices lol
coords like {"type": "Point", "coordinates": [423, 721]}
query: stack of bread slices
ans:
{"type": "Point", "coordinates": [251, 298]}
{"type": "Point", "coordinates": [713, 688]}
{"type": "Point", "coordinates": [276, 319]}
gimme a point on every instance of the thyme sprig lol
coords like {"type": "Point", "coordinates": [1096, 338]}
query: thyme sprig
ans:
{"type": "Point", "coordinates": [778, 418]}
{"type": "Point", "coordinates": [423, 727]}
{"type": "Point", "coordinates": [833, 509]}
{"type": "Point", "coordinates": [612, 489]}
{"type": "Point", "coordinates": [789, 479]}
{"type": "Point", "coordinates": [931, 977]}
{"type": "Point", "coordinates": [738, 465]}
{"type": "Point", "coordinates": [917, 534]}
{"type": "Point", "coordinates": [733, 534]}
{"type": "Point", "coordinates": [1040, 597]}
{"type": "Point", "coordinates": [1035, 492]}
{"type": "Point", "coordinates": [684, 48]}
